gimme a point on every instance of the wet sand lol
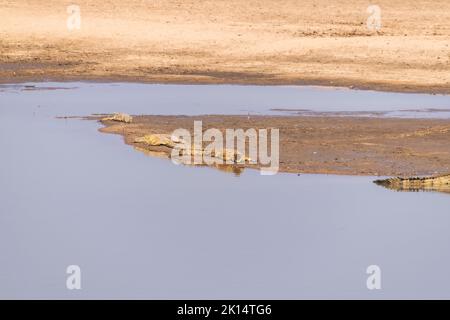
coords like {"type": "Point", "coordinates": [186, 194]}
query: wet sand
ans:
{"type": "Point", "coordinates": [245, 42]}
{"type": "Point", "coordinates": [327, 145]}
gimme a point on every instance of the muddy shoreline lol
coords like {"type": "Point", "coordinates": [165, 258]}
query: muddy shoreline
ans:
{"type": "Point", "coordinates": [51, 76]}
{"type": "Point", "coordinates": [325, 145]}
{"type": "Point", "coordinates": [230, 42]}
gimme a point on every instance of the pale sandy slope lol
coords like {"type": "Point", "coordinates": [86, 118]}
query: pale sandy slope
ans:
{"type": "Point", "coordinates": [231, 41]}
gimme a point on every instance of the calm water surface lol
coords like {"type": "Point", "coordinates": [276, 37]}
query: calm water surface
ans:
{"type": "Point", "coordinates": [141, 227]}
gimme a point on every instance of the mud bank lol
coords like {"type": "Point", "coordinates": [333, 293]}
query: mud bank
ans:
{"type": "Point", "coordinates": [327, 145]}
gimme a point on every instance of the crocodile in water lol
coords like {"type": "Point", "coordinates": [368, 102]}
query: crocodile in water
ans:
{"type": "Point", "coordinates": [439, 183]}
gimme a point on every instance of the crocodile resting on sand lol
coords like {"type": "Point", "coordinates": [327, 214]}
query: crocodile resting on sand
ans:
{"type": "Point", "coordinates": [161, 139]}
{"type": "Point", "coordinates": [120, 117]}
{"type": "Point", "coordinates": [439, 183]}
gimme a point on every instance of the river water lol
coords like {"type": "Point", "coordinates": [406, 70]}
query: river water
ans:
{"type": "Point", "coordinates": [141, 227]}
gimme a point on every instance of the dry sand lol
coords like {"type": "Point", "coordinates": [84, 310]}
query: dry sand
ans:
{"type": "Point", "coordinates": [258, 42]}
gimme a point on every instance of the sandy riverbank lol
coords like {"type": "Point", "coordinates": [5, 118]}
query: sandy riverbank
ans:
{"type": "Point", "coordinates": [257, 42]}
{"type": "Point", "coordinates": [330, 145]}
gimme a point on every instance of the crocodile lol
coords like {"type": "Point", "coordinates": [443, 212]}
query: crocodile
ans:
{"type": "Point", "coordinates": [235, 169]}
{"type": "Point", "coordinates": [120, 117]}
{"type": "Point", "coordinates": [156, 140]}
{"type": "Point", "coordinates": [440, 183]}
{"type": "Point", "coordinates": [161, 139]}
